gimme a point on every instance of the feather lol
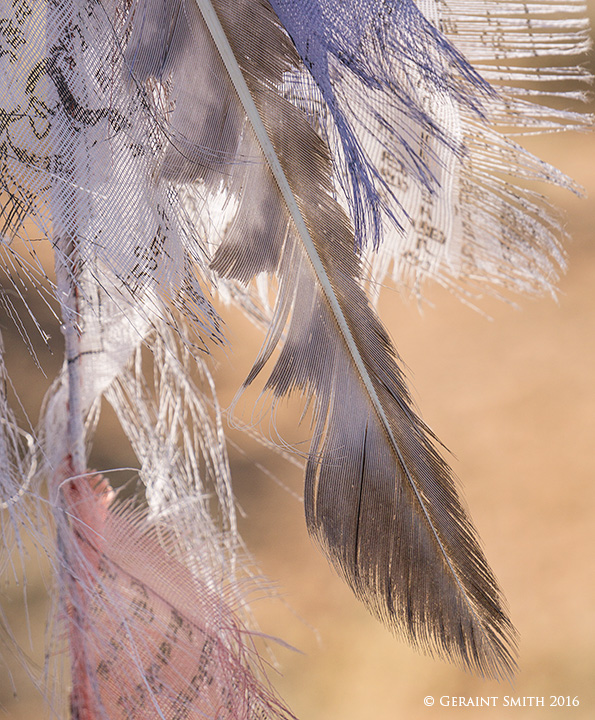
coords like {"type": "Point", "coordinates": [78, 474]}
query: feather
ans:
{"type": "Point", "coordinates": [82, 146]}
{"type": "Point", "coordinates": [383, 71]}
{"type": "Point", "coordinates": [167, 147]}
{"type": "Point", "coordinates": [411, 103]}
{"type": "Point", "coordinates": [379, 499]}
{"type": "Point", "coordinates": [145, 635]}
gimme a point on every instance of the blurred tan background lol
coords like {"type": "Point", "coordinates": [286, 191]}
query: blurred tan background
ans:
{"type": "Point", "coordinates": [514, 398]}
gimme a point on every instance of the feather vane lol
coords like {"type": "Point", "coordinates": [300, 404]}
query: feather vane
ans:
{"type": "Point", "coordinates": [378, 497]}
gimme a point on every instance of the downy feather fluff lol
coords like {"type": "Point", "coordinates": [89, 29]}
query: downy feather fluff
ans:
{"type": "Point", "coordinates": [167, 147]}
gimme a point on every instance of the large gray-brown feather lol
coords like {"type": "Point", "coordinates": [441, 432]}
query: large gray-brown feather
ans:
{"type": "Point", "coordinates": [379, 498]}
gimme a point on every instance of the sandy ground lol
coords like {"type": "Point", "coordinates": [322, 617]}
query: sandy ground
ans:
{"type": "Point", "coordinates": [514, 399]}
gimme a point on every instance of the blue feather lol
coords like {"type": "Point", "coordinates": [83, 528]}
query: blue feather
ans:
{"type": "Point", "coordinates": [360, 51]}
